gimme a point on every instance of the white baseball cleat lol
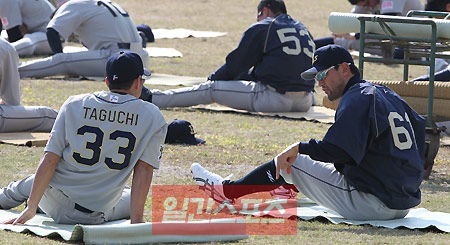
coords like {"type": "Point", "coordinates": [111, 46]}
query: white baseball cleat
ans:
{"type": "Point", "coordinates": [210, 182]}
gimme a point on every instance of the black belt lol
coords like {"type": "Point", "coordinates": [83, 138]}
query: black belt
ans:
{"type": "Point", "coordinates": [124, 45]}
{"type": "Point", "coordinates": [82, 209]}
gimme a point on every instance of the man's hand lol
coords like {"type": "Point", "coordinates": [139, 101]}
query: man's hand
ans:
{"type": "Point", "coordinates": [27, 214]}
{"type": "Point", "coordinates": [138, 221]}
{"type": "Point", "coordinates": [286, 158]}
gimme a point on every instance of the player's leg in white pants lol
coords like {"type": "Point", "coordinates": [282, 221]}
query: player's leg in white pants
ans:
{"type": "Point", "coordinates": [322, 183]}
{"type": "Point", "coordinates": [62, 210]}
{"type": "Point", "coordinates": [244, 95]}
{"type": "Point", "coordinates": [33, 44]}
{"type": "Point", "coordinates": [16, 193]}
{"type": "Point", "coordinates": [26, 118]}
{"type": "Point", "coordinates": [89, 63]}
{"type": "Point", "coordinates": [58, 206]}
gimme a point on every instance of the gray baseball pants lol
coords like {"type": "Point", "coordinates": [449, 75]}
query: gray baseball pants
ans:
{"type": "Point", "coordinates": [59, 206]}
{"type": "Point", "coordinates": [26, 118]}
{"type": "Point", "coordinates": [33, 44]}
{"type": "Point", "coordinates": [323, 184]}
{"type": "Point", "coordinates": [243, 95]}
{"type": "Point", "coordinates": [89, 63]}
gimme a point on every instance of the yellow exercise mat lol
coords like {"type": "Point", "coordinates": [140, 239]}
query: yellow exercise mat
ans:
{"type": "Point", "coordinates": [24, 138]}
{"type": "Point", "coordinates": [315, 114]}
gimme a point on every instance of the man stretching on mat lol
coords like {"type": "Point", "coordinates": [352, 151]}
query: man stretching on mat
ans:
{"type": "Point", "coordinates": [369, 165]}
{"type": "Point", "coordinates": [262, 73]}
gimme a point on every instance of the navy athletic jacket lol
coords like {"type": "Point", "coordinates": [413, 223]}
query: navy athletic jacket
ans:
{"type": "Point", "coordinates": [274, 51]}
{"type": "Point", "coordinates": [377, 142]}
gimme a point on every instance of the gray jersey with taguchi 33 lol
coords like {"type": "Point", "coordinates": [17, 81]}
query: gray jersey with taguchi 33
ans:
{"type": "Point", "coordinates": [100, 137]}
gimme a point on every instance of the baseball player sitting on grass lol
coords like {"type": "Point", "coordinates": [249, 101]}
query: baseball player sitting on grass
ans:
{"type": "Point", "coordinates": [102, 26]}
{"type": "Point", "coordinates": [13, 117]}
{"type": "Point", "coordinates": [369, 165]}
{"type": "Point", "coordinates": [350, 41]}
{"type": "Point", "coordinates": [97, 141]}
{"type": "Point", "coordinates": [25, 22]}
{"type": "Point", "coordinates": [262, 73]}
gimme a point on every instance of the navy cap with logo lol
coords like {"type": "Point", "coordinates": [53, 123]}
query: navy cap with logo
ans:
{"type": "Point", "coordinates": [326, 57]}
{"type": "Point", "coordinates": [147, 32]}
{"type": "Point", "coordinates": [125, 66]}
{"type": "Point", "coordinates": [181, 131]}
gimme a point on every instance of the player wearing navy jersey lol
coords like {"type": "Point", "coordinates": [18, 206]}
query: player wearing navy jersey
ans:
{"type": "Point", "coordinates": [262, 73]}
{"type": "Point", "coordinates": [369, 165]}
{"type": "Point", "coordinates": [97, 141]}
{"type": "Point", "coordinates": [103, 27]}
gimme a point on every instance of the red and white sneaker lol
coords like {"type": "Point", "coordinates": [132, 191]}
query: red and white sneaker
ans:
{"type": "Point", "coordinates": [210, 182]}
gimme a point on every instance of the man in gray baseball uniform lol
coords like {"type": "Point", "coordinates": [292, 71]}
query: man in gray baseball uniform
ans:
{"type": "Point", "coordinates": [25, 22]}
{"type": "Point", "coordinates": [13, 116]}
{"type": "Point", "coordinates": [102, 27]}
{"type": "Point", "coordinates": [97, 141]}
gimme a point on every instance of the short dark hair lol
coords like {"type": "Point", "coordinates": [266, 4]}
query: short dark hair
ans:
{"type": "Point", "coordinates": [354, 2]}
{"type": "Point", "coordinates": [276, 6]}
{"type": "Point", "coordinates": [353, 69]}
{"type": "Point", "coordinates": [125, 85]}
{"type": "Point", "coordinates": [437, 5]}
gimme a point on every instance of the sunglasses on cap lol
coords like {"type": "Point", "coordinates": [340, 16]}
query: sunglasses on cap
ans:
{"type": "Point", "coordinates": [321, 75]}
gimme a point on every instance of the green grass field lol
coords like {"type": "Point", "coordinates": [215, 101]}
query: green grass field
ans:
{"type": "Point", "coordinates": [235, 143]}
